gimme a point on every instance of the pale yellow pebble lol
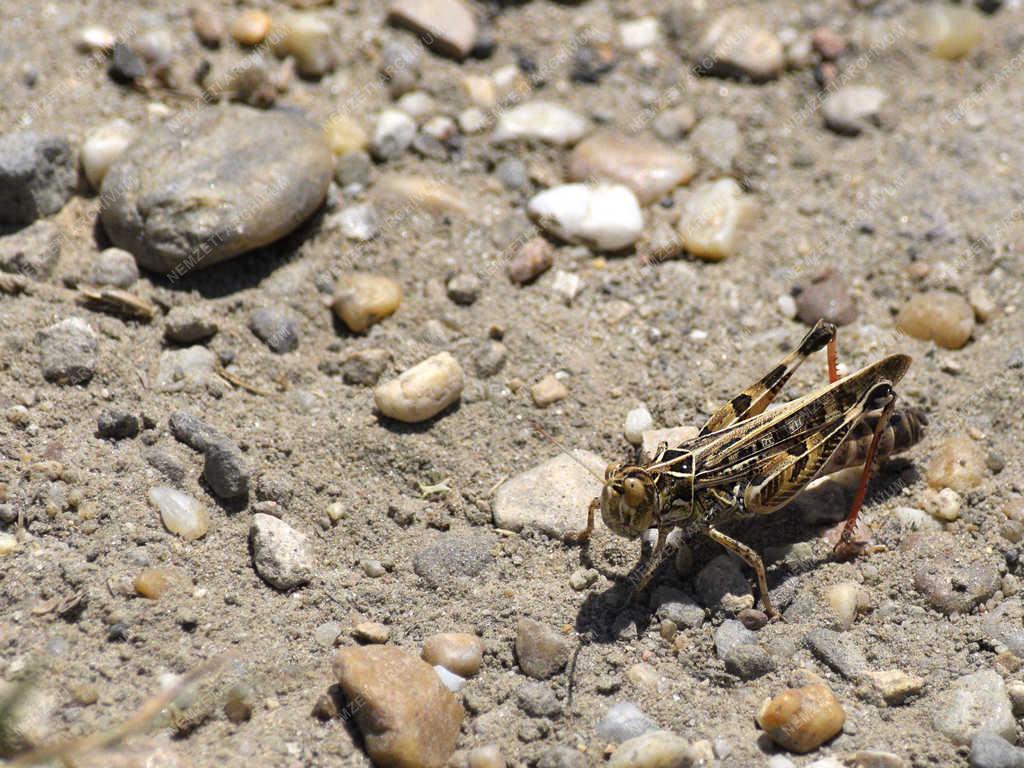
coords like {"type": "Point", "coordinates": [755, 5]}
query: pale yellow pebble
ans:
{"type": "Point", "coordinates": [714, 219]}
{"type": "Point", "coordinates": [944, 505]}
{"type": "Point", "coordinates": [423, 391]}
{"type": "Point", "coordinates": [847, 598]}
{"type": "Point", "coordinates": [951, 31]}
{"type": "Point", "coordinates": [458, 652]}
{"type": "Point", "coordinates": [344, 134]}
{"type": "Point", "coordinates": [372, 632]}
{"type": "Point", "coordinates": [307, 38]}
{"type": "Point", "coordinates": [152, 583]}
{"type": "Point", "coordinates": [363, 299]}
{"type": "Point", "coordinates": [8, 544]}
{"type": "Point", "coordinates": [889, 686]}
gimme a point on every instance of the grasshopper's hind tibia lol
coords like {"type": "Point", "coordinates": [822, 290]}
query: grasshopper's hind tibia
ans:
{"type": "Point", "coordinates": [581, 537]}
{"type": "Point", "coordinates": [751, 558]}
{"type": "Point", "coordinates": [657, 555]}
{"type": "Point", "coordinates": [759, 395]}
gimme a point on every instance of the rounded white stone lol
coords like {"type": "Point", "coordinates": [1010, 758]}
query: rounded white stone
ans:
{"type": "Point", "coordinates": [102, 146]}
{"type": "Point", "coordinates": [604, 217]}
{"type": "Point", "coordinates": [422, 391]}
{"type": "Point", "coordinates": [638, 421]}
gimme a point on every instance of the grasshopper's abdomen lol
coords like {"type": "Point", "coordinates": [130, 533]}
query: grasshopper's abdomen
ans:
{"type": "Point", "coordinates": [904, 430]}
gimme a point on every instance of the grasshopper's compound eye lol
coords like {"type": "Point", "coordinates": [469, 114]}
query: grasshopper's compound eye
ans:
{"type": "Point", "coordinates": [633, 490]}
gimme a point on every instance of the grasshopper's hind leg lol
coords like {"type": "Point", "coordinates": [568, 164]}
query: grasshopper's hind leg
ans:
{"type": "Point", "coordinates": [657, 555]}
{"type": "Point", "coordinates": [751, 558]}
{"type": "Point", "coordinates": [582, 537]}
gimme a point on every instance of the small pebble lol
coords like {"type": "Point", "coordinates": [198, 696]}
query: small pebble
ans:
{"type": "Point", "coordinates": [951, 31]}
{"type": "Point", "coordinates": [250, 27]}
{"type": "Point", "coordinates": [449, 679]}
{"type": "Point", "coordinates": [446, 26]}
{"type": "Point", "coordinates": [277, 327]}
{"type": "Point", "coordinates": [344, 135]}
{"type": "Point", "coordinates": [363, 299]}
{"type": "Point", "coordinates": [423, 391]}
{"type": "Point", "coordinates": [95, 39]}
{"type": "Point", "coordinates": [604, 217]}
{"type": "Point", "coordinates": [68, 351]}
{"type": "Point", "coordinates": [538, 700]}
{"type": "Point", "coordinates": [512, 174]}
{"type": "Point", "coordinates": [464, 288]}
{"type": "Point", "coordinates": [490, 359]}
{"type": "Point", "coordinates": [718, 141]}
{"type": "Point", "coordinates": [485, 756]}
{"type": "Point", "coordinates": [308, 39]}
{"type": "Point", "coordinates": [459, 652]}
{"type": "Point", "coordinates": [327, 633]}
{"type": "Point", "coordinates": [891, 687]}
{"type": "Point", "coordinates": [638, 421]}
{"type": "Point", "coordinates": [114, 267]}
{"type": "Point", "coordinates": [802, 719]}
{"type": "Point", "coordinates": [153, 583]}
{"type": "Point", "coordinates": [650, 169]}
{"type": "Point", "coordinates": [945, 505]}
{"type": "Point", "coordinates": [713, 219]}
{"type": "Point", "coordinates": [974, 704]}
{"type": "Point", "coordinates": [657, 749]}
{"type": "Point", "coordinates": [238, 703]}
{"type": "Point", "coordinates": [188, 325]}
{"type": "Point", "coordinates": [826, 299]}
{"type": "Point", "coordinates": [673, 124]}
{"type": "Point", "coordinates": [8, 544]}
{"type": "Point", "coordinates": [540, 121]}
{"type": "Point", "coordinates": [117, 425]}
{"type": "Point", "coordinates": [208, 26]}
{"type": "Point", "coordinates": [548, 391]}
{"type": "Point", "coordinates": [846, 598]}
{"type": "Point", "coordinates": [371, 632]}
{"type": "Point", "coordinates": [358, 222]}
{"type": "Point", "coordinates": [637, 34]}
{"type": "Point", "coordinates": [622, 722]}
{"type": "Point", "coordinates": [959, 463]}
{"type": "Point", "coordinates": [540, 650]}
{"type": "Point", "coordinates": [567, 286]}
{"type": "Point", "coordinates": [102, 146]}
{"type": "Point", "coordinates": [533, 259]}
{"type": "Point", "coordinates": [853, 108]}
{"type": "Point", "coordinates": [392, 134]}
{"type": "Point", "coordinates": [735, 45]}
{"type": "Point", "coordinates": [126, 66]}
{"type": "Point", "coordinates": [280, 554]}
{"type": "Point", "coordinates": [939, 316]}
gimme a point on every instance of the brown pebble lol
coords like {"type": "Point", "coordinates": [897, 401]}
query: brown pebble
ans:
{"type": "Point", "coordinates": [371, 632]}
{"type": "Point", "coordinates": [458, 652]}
{"type": "Point", "coordinates": [250, 27]}
{"type": "Point", "coordinates": [802, 719]}
{"type": "Point", "coordinates": [827, 43]}
{"type": "Point", "coordinates": [753, 619]}
{"type": "Point", "coordinates": [826, 299]}
{"type": "Point", "coordinates": [547, 391]}
{"type": "Point", "coordinates": [325, 708]}
{"type": "Point", "coordinates": [939, 316]}
{"type": "Point", "coordinates": [958, 464]}
{"type": "Point", "coordinates": [363, 299]}
{"type": "Point", "coordinates": [152, 583]}
{"type": "Point", "coordinates": [534, 258]}
{"type": "Point", "coordinates": [208, 26]}
{"type": "Point", "coordinates": [1014, 509]}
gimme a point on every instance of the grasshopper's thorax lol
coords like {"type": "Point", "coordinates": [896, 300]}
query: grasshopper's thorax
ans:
{"type": "Point", "coordinates": [630, 500]}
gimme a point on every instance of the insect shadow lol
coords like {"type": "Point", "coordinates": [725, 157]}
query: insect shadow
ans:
{"type": "Point", "coordinates": [609, 615]}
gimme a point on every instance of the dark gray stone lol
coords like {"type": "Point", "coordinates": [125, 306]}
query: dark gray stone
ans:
{"type": "Point", "coordinates": [225, 469]}
{"type": "Point", "coordinates": [32, 251]}
{"type": "Point", "coordinates": [276, 327]}
{"type": "Point", "coordinates": [731, 634]}
{"type": "Point", "coordinates": [37, 176]}
{"type": "Point", "coordinates": [677, 606]}
{"type": "Point", "coordinates": [189, 429]}
{"type": "Point", "coordinates": [748, 662]}
{"type": "Point", "coordinates": [188, 325]}
{"type": "Point", "coordinates": [624, 721]}
{"type": "Point", "coordinates": [113, 266]}
{"type": "Point", "coordinates": [562, 757]}
{"type": "Point", "coordinates": [213, 184]}
{"type": "Point", "coordinates": [353, 168]}
{"type": "Point", "coordinates": [117, 425]}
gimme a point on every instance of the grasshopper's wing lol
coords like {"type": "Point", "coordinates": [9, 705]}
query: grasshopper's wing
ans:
{"type": "Point", "coordinates": [759, 395]}
{"type": "Point", "coordinates": [745, 449]}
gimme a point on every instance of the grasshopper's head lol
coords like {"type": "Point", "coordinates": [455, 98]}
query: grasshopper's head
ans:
{"type": "Point", "coordinates": [629, 500]}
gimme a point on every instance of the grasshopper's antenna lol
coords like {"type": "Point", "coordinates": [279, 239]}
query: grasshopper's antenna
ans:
{"type": "Point", "coordinates": [563, 449]}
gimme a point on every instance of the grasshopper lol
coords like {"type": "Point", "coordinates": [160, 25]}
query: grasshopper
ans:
{"type": "Point", "coordinates": [747, 462]}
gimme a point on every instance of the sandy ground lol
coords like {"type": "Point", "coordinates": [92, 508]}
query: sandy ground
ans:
{"type": "Point", "coordinates": [928, 188]}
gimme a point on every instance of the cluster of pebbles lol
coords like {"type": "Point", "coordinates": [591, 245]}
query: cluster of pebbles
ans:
{"type": "Point", "coordinates": [405, 223]}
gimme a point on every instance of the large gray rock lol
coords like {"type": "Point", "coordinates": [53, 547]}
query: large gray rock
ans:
{"type": "Point", "coordinates": [974, 704]}
{"type": "Point", "coordinates": [37, 176]}
{"type": "Point", "coordinates": [68, 351]}
{"type": "Point", "coordinates": [213, 185]}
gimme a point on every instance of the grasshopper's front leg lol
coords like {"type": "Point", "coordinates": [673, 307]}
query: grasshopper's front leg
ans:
{"type": "Point", "coordinates": [582, 537]}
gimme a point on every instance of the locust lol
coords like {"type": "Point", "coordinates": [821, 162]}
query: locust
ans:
{"type": "Point", "coordinates": [747, 461]}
